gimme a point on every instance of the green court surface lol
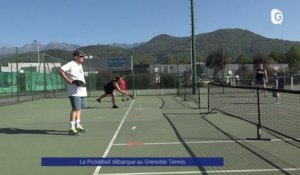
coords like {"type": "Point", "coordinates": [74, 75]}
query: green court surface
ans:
{"type": "Point", "coordinates": [149, 126]}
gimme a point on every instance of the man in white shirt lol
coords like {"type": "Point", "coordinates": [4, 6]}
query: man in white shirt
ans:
{"type": "Point", "coordinates": [72, 73]}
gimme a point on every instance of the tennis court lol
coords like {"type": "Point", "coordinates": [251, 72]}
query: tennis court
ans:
{"type": "Point", "coordinates": [159, 125]}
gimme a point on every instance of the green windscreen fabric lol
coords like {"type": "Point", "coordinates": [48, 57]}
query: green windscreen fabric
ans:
{"type": "Point", "coordinates": [8, 82]}
{"type": "Point", "coordinates": [35, 81]}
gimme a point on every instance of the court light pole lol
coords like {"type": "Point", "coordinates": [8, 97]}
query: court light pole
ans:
{"type": "Point", "coordinates": [193, 50]}
{"type": "Point", "coordinates": [132, 73]}
{"type": "Point", "coordinates": [88, 64]}
{"type": "Point", "coordinates": [38, 50]}
{"type": "Point", "coordinates": [222, 52]}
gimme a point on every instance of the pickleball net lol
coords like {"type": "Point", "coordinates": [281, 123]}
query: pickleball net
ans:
{"type": "Point", "coordinates": [251, 105]}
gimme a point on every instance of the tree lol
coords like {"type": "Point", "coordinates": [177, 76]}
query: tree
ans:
{"type": "Point", "coordinates": [141, 62]}
{"type": "Point", "coordinates": [277, 56]}
{"type": "Point", "coordinates": [170, 59]}
{"type": "Point", "coordinates": [215, 60]}
{"type": "Point", "coordinates": [243, 59]}
{"type": "Point", "coordinates": [243, 70]}
{"type": "Point", "coordinates": [199, 57]}
{"type": "Point", "coordinates": [260, 58]}
{"type": "Point", "coordinates": [293, 58]}
{"type": "Point", "coordinates": [227, 59]}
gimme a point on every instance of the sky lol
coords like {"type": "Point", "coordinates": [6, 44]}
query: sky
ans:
{"type": "Point", "coordinates": [89, 22]}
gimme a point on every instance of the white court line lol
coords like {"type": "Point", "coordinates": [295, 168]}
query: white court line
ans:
{"type": "Point", "coordinates": [210, 171]}
{"type": "Point", "coordinates": [253, 113]}
{"type": "Point", "coordinates": [172, 115]}
{"type": "Point", "coordinates": [23, 119]}
{"type": "Point", "coordinates": [227, 107]}
{"type": "Point", "coordinates": [96, 172]}
{"type": "Point", "coordinates": [201, 142]}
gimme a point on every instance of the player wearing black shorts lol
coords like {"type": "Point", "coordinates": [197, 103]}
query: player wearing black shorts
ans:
{"type": "Point", "coordinates": [261, 77]}
{"type": "Point", "coordinates": [109, 90]}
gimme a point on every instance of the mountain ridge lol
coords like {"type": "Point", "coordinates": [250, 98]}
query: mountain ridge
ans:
{"type": "Point", "coordinates": [164, 47]}
{"type": "Point", "coordinates": [234, 42]}
{"type": "Point", "coordinates": [33, 47]}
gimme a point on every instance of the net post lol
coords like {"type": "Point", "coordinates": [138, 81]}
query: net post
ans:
{"type": "Point", "coordinates": [208, 97]}
{"type": "Point", "coordinates": [258, 125]}
{"type": "Point", "coordinates": [258, 132]}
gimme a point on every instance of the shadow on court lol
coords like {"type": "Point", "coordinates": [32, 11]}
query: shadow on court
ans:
{"type": "Point", "coordinates": [246, 149]}
{"type": "Point", "coordinates": [188, 149]}
{"type": "Point", "coordinates": [258, 153]}
{"type": "Point", "coordinates": [31, 131]}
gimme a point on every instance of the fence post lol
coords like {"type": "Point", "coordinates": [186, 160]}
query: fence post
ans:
{"type": "Point", "coordinates": [31, 89]}
{"type": "Point", "coordinates": [208, 92]}
{"type": "Point", "coordinates": [184, 97]}
{"type": "Point", "coordinates": [198, 87]}
{"type": "Point", "coordinates": [18, 78]}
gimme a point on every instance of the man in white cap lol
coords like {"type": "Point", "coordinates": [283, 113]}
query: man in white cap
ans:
{"type": "Point", "coordinates": [73, 74]}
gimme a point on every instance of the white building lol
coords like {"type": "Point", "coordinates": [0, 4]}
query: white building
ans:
{"type": "Point", "coordinates": [37, 67]}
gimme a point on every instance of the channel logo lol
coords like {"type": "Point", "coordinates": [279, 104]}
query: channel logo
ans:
{"type": "Point", "coordinates": [276, 16]}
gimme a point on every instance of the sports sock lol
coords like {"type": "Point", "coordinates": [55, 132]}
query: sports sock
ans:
{"type": "Point", "coordinates": [78, 122]}
{"type": "Point", "coordinates": [72, 124]}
